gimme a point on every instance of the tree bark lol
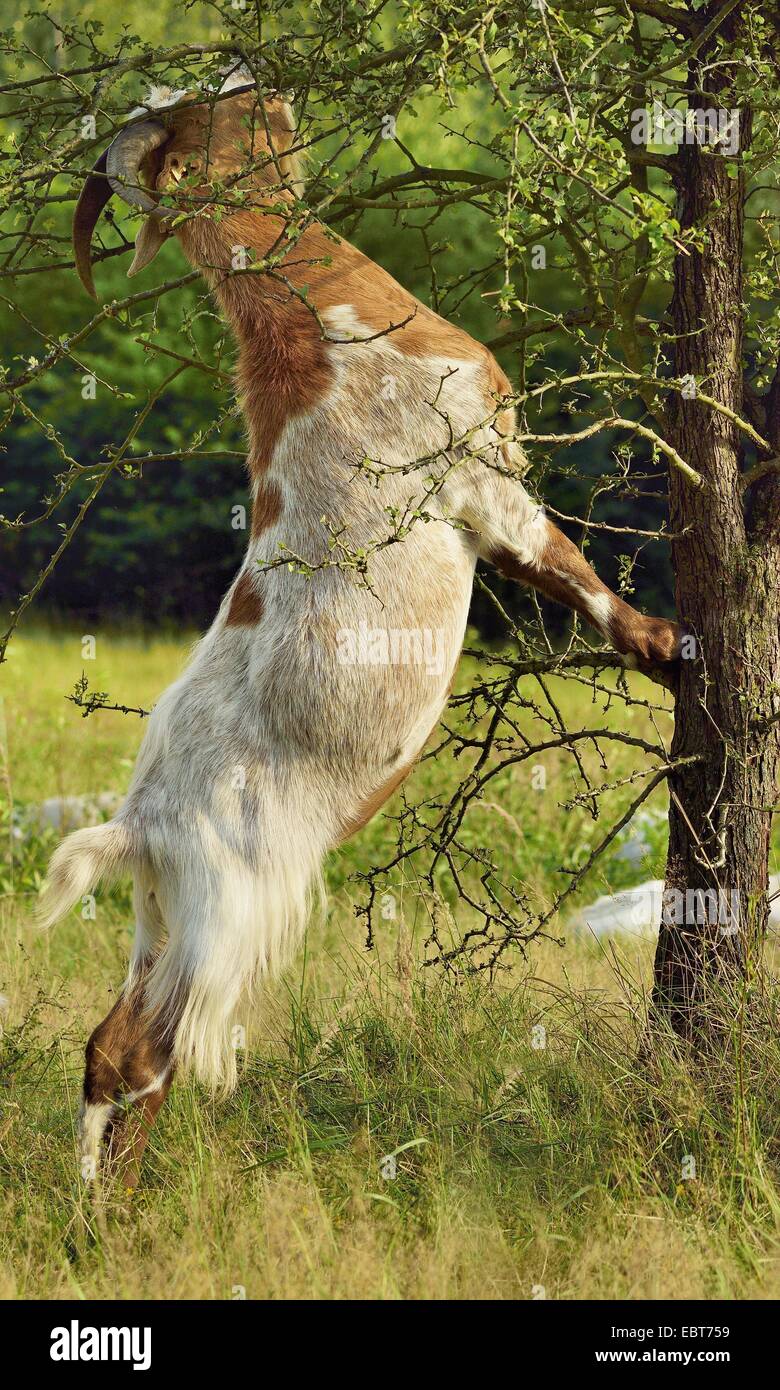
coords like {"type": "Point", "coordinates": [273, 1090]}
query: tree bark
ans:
{"type": "Point", "coordinates": [727, 570]}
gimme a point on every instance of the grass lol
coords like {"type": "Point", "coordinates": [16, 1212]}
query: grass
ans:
{"type": "Point", "coordinates": [517, 1168]}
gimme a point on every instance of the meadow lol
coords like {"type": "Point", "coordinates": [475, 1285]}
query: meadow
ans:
{"type": "Point", "coordinates": [396, 1133]}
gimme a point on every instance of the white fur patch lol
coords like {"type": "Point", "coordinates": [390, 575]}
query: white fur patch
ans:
{"type": "Point", "coordinates": [92, 1127]}
{"type": "Point", "coordinates": [158, 99]}
{"type": "Point", "coordinates": [597, 606]}
{"type": "Point", "coordinates": [237, 77]}
{"type": "Point", "coordinates": [344, 326]}
{"type": "Point", "coordinates": [155, 1085]}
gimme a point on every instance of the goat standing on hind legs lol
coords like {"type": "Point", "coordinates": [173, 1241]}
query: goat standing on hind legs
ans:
{"type": "Point", "coordinates": [277, 743]}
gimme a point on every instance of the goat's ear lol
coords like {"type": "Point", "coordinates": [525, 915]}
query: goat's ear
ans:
{"type": "Point", "coordinates": [148, 242]}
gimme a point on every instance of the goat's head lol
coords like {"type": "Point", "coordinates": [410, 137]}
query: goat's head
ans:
{"type": "Point", "coordinates": [199, 152]}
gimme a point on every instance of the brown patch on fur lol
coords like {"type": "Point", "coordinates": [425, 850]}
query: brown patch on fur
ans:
{"type": "Point", "coordinates": [266, 508]}
{"type": "Point", "coordinates": [283, 370]}
{"type": "Point", "coordinates": [498, 381]}
{"type": "Point", "coordinates": [283, 363]}
{"type": "Point", "coordinates": [125, 1052]}
{"type": "Point", "coordinates": [246, 604]}
{"type": "Point", "coordinates": [379, 302]}
{"type": "Point", "coordinates": [561, 555]}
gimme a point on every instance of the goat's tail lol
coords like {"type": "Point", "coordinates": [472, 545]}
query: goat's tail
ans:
{"type": "Point", "coordinates": [87, 857]}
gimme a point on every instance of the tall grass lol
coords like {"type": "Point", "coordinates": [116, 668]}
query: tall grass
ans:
{"type": "Point", "coordinates": [395, 1134]}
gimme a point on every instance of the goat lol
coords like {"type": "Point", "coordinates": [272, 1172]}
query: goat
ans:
{"type": "Point", "coordinates": [276, 744]}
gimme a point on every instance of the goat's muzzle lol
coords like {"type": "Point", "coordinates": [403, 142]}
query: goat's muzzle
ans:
{"type": "Point", "coordinates": [118, 171]}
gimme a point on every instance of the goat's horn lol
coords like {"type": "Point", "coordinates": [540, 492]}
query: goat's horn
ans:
{"type": "Point", "coordinates": [92, 199]}
{"type": "Point", "coordinates": [116, 171]}
{"type": "Point", "coordinates": [124, 157]}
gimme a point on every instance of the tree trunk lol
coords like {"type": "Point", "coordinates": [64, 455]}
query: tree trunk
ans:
{"type": "Point", "coordinates": [727, 569]}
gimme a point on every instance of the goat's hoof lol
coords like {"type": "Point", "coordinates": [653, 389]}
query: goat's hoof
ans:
{"type": "Point", "coordinates": [662, 642]}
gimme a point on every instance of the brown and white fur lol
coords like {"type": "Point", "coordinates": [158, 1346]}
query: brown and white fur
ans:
{"type": "Point", "coordinates": [271, 749]}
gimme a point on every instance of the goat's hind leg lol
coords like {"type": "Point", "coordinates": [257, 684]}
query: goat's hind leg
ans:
{"type": "Point", "coordinates": [128, 1074]}
{"type": "Point", "coordinates": [129, 1067]}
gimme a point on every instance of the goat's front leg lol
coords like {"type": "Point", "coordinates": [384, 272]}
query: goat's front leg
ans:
{"type": "Point", "coordinates": [516, 537]}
